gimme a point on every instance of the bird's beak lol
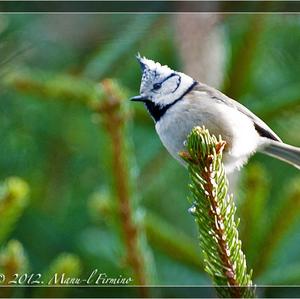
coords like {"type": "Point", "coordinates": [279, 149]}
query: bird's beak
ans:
{"type": "Point", "coordinates": [139, 98]}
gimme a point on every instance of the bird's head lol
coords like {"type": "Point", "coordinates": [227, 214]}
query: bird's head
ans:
{"type": "Point", "coordinates": [161, 85]}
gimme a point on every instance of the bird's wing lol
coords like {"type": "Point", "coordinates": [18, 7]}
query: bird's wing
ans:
{"type": "Point", "coordinates": [262, 128]}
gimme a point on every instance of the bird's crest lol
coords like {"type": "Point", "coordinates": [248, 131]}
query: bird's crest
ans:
{"type": "Point", "coordinates": [152, 71]}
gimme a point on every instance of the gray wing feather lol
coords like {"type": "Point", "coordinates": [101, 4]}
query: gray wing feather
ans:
{"type": "Point", "coordinates": [262, 128]}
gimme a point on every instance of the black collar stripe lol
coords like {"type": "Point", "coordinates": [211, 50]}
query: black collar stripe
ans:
{"type": "Point", "coordinates": [157, 111]}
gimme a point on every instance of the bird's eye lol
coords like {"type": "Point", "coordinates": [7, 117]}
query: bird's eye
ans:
{"type": "Point", "coordinates": [156, 86]}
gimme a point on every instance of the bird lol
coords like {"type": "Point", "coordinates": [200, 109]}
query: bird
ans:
{"type": "Point", "coordinates": [178, 103]}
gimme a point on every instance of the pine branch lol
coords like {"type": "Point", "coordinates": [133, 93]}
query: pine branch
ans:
{"type": "Point", "coordinates": [51, 86]}
{"type": "Point", "coordinates": [214, 213]}
{"type": "Point", "coordinates": [13, 259]}
{"type": "Point", "coordinates": [13, 200]}
{"type": "Point", "coordinates": [64, 263]}
{"type": "Point", "coordinates": [64, 266]}
{"type": "Point", "coordinates": [114, 116]}
{"type": "Point", "coordinates": [107, 102]}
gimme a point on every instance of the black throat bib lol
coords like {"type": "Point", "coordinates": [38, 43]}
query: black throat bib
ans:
{"type": "Point", "coordinates": [157, 111]}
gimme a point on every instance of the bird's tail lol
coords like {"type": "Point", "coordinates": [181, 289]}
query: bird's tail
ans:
{"type": "Point", "coordinates": [287, 153]}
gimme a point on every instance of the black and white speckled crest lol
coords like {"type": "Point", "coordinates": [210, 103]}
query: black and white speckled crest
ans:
{"type": "Point", "coordinates": [152, 72]}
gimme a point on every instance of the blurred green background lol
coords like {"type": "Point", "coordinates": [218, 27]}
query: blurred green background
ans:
{"type": "Point", "coordinates": [59, 142]}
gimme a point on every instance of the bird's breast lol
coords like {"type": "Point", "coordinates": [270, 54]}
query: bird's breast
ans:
{"type": "Point", "coordinates": [234, 127]}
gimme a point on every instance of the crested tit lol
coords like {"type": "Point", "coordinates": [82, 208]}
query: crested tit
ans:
{"type": "Point", "coordinates": [178, 103]}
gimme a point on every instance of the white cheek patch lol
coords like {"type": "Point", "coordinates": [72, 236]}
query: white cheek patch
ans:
{"type": "Point", "coordinates": [173, 89]}
{"type": "Point", "coordinates": [173, 84]}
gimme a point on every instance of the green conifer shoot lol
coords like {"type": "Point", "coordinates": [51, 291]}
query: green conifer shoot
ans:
{"type": "Point", "coordinates": [214, 212]}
